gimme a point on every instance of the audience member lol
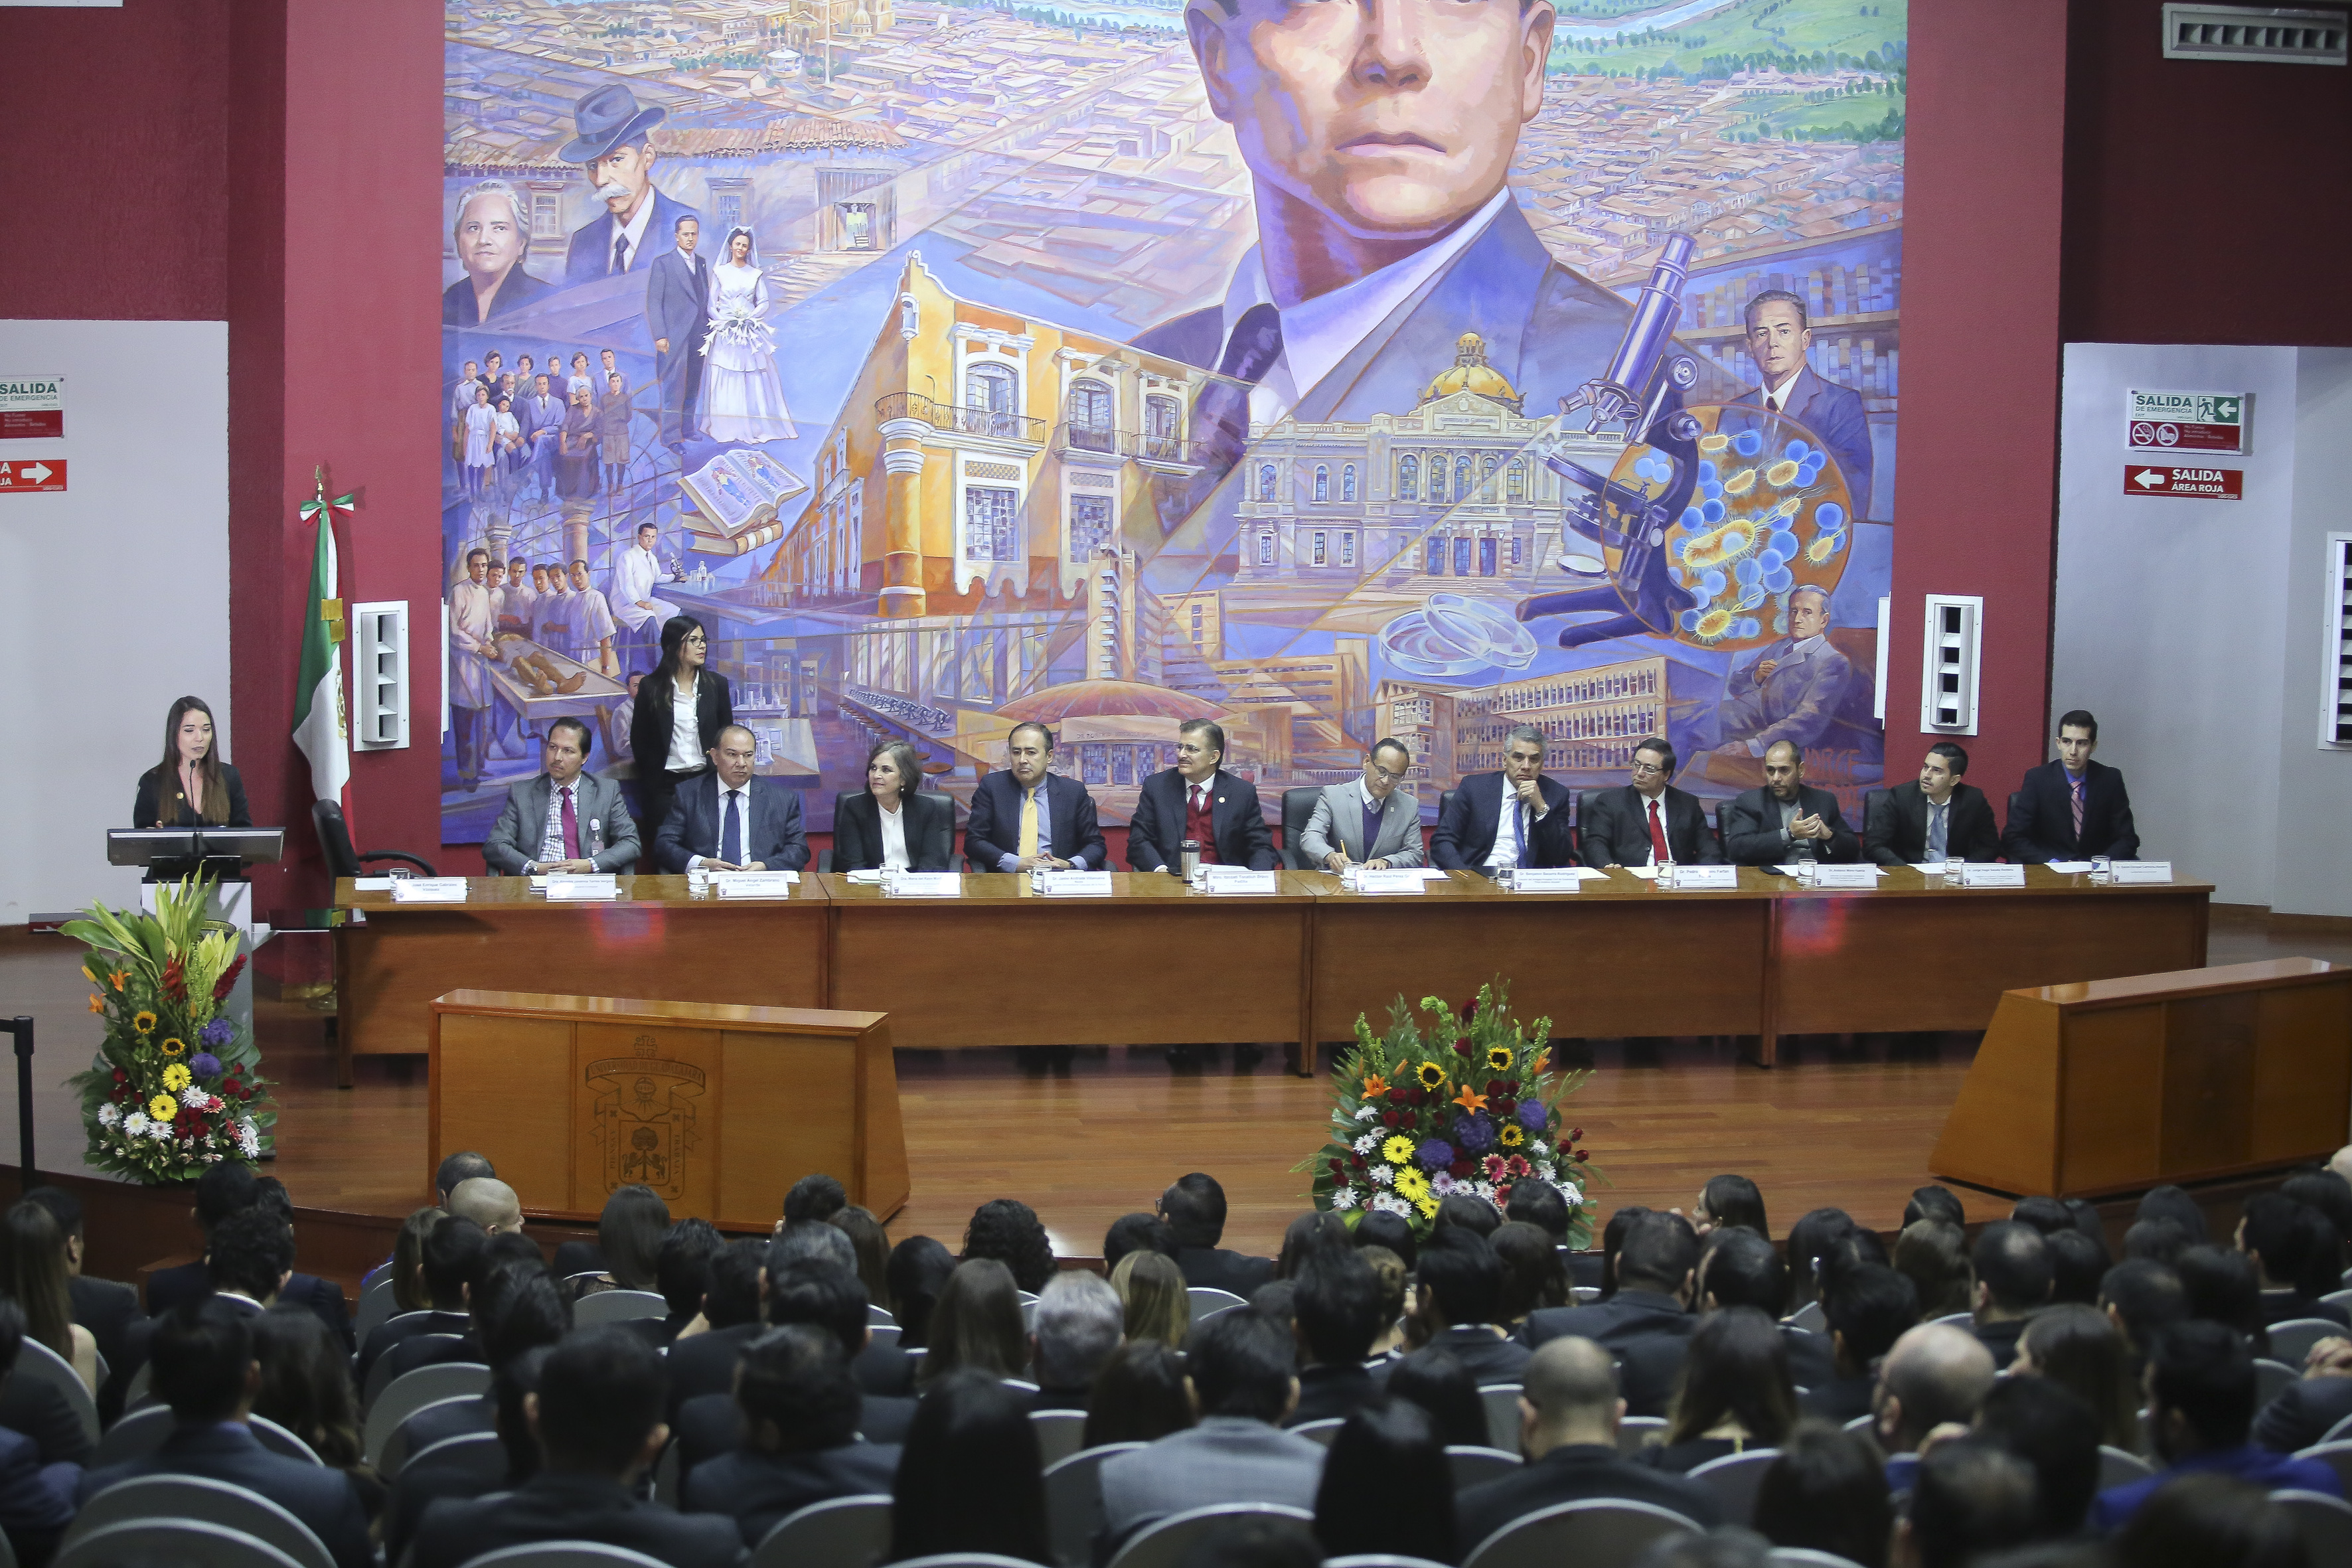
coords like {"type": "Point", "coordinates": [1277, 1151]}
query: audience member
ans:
{"type": "Point", "coordinates": [1869, 1306]}
{"type": "Point", "coordinates": [813, 1242]}
{"type": "Point", "coordinates": [814, 1200]}
{"type": "Point", "coordinates": [681, 1271]}
{"type": "Point", "coordinates": [1315, 1231]}
{"type": "Point", "coordinates": [2155, 1240]}
{"type": "Point", "coordinates": [520, 1309]}
{"type": "Point", "coordinates": [1136, 1233]}
{"type": "Point", "coordinates": [2081, 1350]}
{"type": "Point", "coordinates": [2306, 1410]}
{"type": "Point", "coordinates": [1737, 1267]}
{"type": "Point", "coordinates": [1654, 1270]}
{"type": "Point", "coordinates": [1078, 1326]}
{"type": "Point", "coordinates": [2142, 1297]}
{"type": "Point", "coordinates": [977, 1323]}
{"type": "Point", "coordinates": [407, 1273]}
{"type": "Point", "coordinates": [1389, 1271]}
{"type": "Point", "coordinates": [34, 1271]}
{"type": "Point", "coordinates": [1381, 1228]}
{"type": "Point", "coordinates": [36, 1499]}
{"type": "Point", "coordinates": [1008, 1231]}
{"type": "Point", "coordinates": [1336, 1302]}
{"type": "Point", "coordinates": [462, 1166]}
{"type": "Point", "coordinates": [2056, 1433]}
{"type": "Point", "coordinates": [824, 1293]}
{"type": "Point", "coordinates": [1194, 1208]}
{"type": "Point", "coordinates": [1934, 1202]}
{"type": "Point", "coordinates": [252, 1258]}
{"type": "Point", "coordinates": [1152, 1289]}
{"type": "Point", "coordinates": [102, 1306]}
{"type": "Point", "coordinates": [919, 1266]}
{"type": "Point", "coordinates": [451, 1262]}
{"type": "Point", "coordinates": [221, 1191]}
{"type": "Point", "coordinates": [1734, 1394]}
{"type": "Point", "coordinates": [458, 1473]}
{"type": "Point", "coordinates": [1808, 1240]}
{"type": "Point", "coordinates": [1935, 1372]}
{"type": "Point", "coordinates": [1438, 1382]}
{"type": "Point", "coordinates": [1730, 1201]}
{"type": "Point", "coordinates": [1139, 1397]}
{"type": "Point", "coordinates": [2279, 1236]}
{"type": "Point", "coordinates": [703, 1362]}
{"type": "Point", "coordinates": [971, 1479]}
{"type": "Point", "coordinates": [1458, 1299]}
{"type": "Point", "coordinates": [1468, 1211]}
{"type": "Point", "coordinates": [2322, 1188]}
{"type": "Point", "coordinates": [2012, 1268]}
{"type": "Point", "coordinates": [627, 1253]}
{"type": "Point", "coordinates": [1376, 1496]}
{"type": "Point", "coordinates": [872, 1244]}
{"type": "Point", "coordinates": [306, 1387]}
{"type": "Point", "coordinates": [800, 1408]}
{"type": "Point", "coordinates": [488, 1203]}
{"type": "Point", "coordinates": [322, 1298]}
{"type": "Point", "coordinates": [1827, 1492]}
{"type": "Point", "coordinates": [2078, 1261]}
{"type": "Point", "coordinates": [1967, 1498]}
{"type": "Point", "coordinates": [2046, 1215]}
{"type": "Point", "coordinates": [2220, 1285]}
{"type": "Point", "coordinates": [1534, 1275]}
{"type": "Point", "coordinates": [1613, 1241]}
{"type": "Point", "coordinates": [1568, 1413]}
{"type": "Point", "coordinates": [2212, 1521]}
{"type": "Point", "coordinates": [1932, 1254]}
{"type": "Point", "coordinates": [1538, 1204]}
{"type": "Point", "coordinates": [2175, 1203]}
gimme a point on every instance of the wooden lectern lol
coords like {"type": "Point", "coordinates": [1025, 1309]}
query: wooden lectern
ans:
{"type": "Point", "coordinates": [2113, 1086]}
{"type": "Point", "coordinates": [720, 1109]}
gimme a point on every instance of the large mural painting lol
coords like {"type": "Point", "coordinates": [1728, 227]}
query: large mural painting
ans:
{"type": "Point", "coordinates": [1413, 367]}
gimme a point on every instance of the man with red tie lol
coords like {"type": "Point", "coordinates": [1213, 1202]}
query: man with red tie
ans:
{"type": "Point", "coordinates": [1498, 822]}
{"type": "Point", "coordinates": [562, 819]}
{"type": "Point", "coordinates": [1649, 822]}
{"type": "Point", "coordinates": [1197, 799]}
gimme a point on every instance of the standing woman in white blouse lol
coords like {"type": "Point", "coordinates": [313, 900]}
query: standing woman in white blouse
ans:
{"type": "Point", "coordinates": [743, 398]}
{"type": "Point", "coordinates": [892, 824]}
{"type": "Point", "coordinates": [681, 707]}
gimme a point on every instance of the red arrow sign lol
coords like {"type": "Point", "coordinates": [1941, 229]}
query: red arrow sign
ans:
{"type": "Point", "coordinates": [2204, 484]}
{"type": "Point", "coordinates": [32, 474]}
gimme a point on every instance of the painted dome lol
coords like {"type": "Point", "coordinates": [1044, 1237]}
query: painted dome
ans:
{"type": "Point", "coordinates": [1471, 372]}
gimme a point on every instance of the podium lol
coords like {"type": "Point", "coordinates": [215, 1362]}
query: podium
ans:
{"type": "Point", "coordinates": [717, 1108]}
{"type": "Point", "coordinates": [2114, 1086]}
{"type": "Point", "coordinates": [171, 853]}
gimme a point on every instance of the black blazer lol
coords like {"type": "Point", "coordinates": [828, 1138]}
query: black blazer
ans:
{"type": "Point", "coordinates": [167, 1288]}
{"type": "Point", "coordinates": [857, 831]}
{"type": "Point", "coordinates": [761, 1490]}
{"type": "Point", "coordinates": [2041, 817]}
{"type": "Point", "coordinates": [1898, 835]}
{"type": "Point", "coordinates": [1215, 1269]}
{"type": "Point", "coordinates": [771, 836]}
{"type": "Point", "coordinates": [321, 1497]}
{"type": "Point", "coordinates": [1069, 830]}
{"type": "Point", "coordinates": [1617, 829]}
{"type": "Point", "coordinates": [1155, 833]}
{"type": "Point", "coordinates": [161, 803]}
{"type": "Point", "coordinates": [1578, 1473]}
{"type": "Point", "coordinates": [1751, 827]}
{"type": "Point", "coordinates": [649, 721]}
{"type": "Point", "coordinates": [1466, 828]}
{"type": "Point", "coordinates": [555, 1506]}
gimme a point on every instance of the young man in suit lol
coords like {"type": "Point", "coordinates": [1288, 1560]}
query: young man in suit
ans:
{"type": "Point", "coordinates": [800, 1409]}
{"type": "Point", "coordinates": [1194, 1207]}
{"type": "Point", "coordinates": [2072, 808]}
{"type": "Point", "coordinates": [563, 820]}
{"type": "Point", "coordinates": [677, 313]}
{"type": "Point", "coordinates": [1027, 816]}
{"type": "Point", "coordinates": [730, 819]}
{"type": "Point", "coordinates": [1788, 819]}
{"type": "Point", "coordinates": [1657, 1271]}
{"type": "Point", "coordinates": [1197, 799]}
{"type": "Point", "coordinates": [1458, 1297]}
{"type": "Point", "coordinates": [1936, 819]}
{"type": "Point", "coordinates": [1476, 833]}
{"type": "Point", "coordinates": [1649, 822]}
{"type": "Point", "coordinates": [1369, 823]}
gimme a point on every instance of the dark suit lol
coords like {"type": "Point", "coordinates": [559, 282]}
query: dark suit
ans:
{"type": "Point", "coordinates": [761, 1490]}
{"type": "Point", "coordinates": [1897, 835]}
{"type": "Point", "coordinates": [2277, 1307]}
{"type": "Point", "coordinates": [557, 1506]}
{"type": "Point", "coordinates": [321, 1497]}
{"type": "Point", "coordinates": [1324, 1392]}
{"type": "Point", "coordinates": [1752, 835]}
{"type": "Point", "coordinates": [37, 1501]}
{"type": "Point", "coordinates": [1578, 1472]}
{"type": "Point", "coordinates": [322, 1299]}
{"type": "Point", "coordinates": [107, 1309]}
{"type": "Point", "coordinates": [649, 734]}
{"type": "Point", "coordinates": [590, 255]}
{"type": "Point", "coordinates": [1999, 1337]}
{"type": "Point", "coordinates": [1636, 1324]}
{"type": "Point", "coordinates": [1838, 1399]}
{"type": "Point", "coordinates": [930, 818]}
{"type": "Point", "coordinates": [38, 1409]}
{"type": "Point", "coordinates": [1617, 828]}
{"type": "Point", "coordinates": [678, 309]}
{"type": "Point", "coordinates": [160, 803]}
{"type": "Point", "coordinates": [1155, 833]}
{"type": "Point", "coordinates": [710, 1424]}
{"type": "Point", "coordinates": [1066, 828]}
{"type": "Point", "coordinates": [519, 288]}
{"type": "Point", "coordinates": [1215, 1269]}
{"type": "Point", "coordinates": [1489, 1359]}
{"type": "Point", "coordinates": [1834, 413]}
{"type": "Point", "coordinates": [771, 825]}
{"type": "Point", "coordinates": [2042, 820]}
{"type": "Point", "coordinates": [597, 808]}
{"type": "Point", "coordinates": [419, 1486]}
{"type": "Point", "coordinates": [706, 1364]}
{"type": "Point", "coordinates": [2302, 1412]}
{"type": "Point", "coordinates": [1467, 827]}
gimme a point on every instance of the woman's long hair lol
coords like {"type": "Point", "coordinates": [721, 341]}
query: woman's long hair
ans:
{"type": "Point", "coordinates": [2079, 1348]}
{"type": "Point", "coordinates": [917, 1272]}
{"type": "Point", "coordinates": [214, 807]}
{"type": "Point", "coordinates": [407, 1252]}
{"type": "Point", "coordinates": [630, 1232]}
{"type": "Point", "coordinates": [1376, 1496]}
{"type": "Point", "coordinates": [33, 1270]}
{"type": "Point", "coordinates": [1737, 1368]}
{"type": "Point", "coordinates": [971, 1477]}
{"type": "Point", "coordinates": [977, 1323]}
{"type": "Point", "coordinates": [1151, 1288]}
{"type": "Point", "coordinates": [306, 1384]}
{"type": "Point", "coordinates": [1139, 1396]}
{"type": "Point", "coordinates": [674, 633]}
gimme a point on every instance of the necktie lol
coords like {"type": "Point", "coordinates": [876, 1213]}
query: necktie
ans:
{"type": "Point", "coordinates": [620, 252]}
{"type": "Point", "coordinates": [571, 827]}
{"type": "Point", "coordinates": [1221, 411]}
{"type": "Point", "coordinates": [1028, 824]}
{"type": "Point", "coordinates": [2077, 793]}
{"type": "Point", "coordinates": [1937, 833]}
{"type": "Point", "coordinates": [1521, 816]}
{"type": "Point", "coordinates": [1659, 853]}
{"type": "Point", "coordinates": [731, 835]}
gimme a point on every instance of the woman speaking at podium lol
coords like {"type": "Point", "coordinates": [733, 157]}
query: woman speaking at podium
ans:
{"type": "Point", "coordinates": [191, 788]}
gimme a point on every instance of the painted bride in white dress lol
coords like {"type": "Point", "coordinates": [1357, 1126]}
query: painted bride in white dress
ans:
{"type": "Point", "coordinates": [742, 400]}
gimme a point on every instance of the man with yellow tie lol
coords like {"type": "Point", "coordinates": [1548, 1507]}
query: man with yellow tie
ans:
{"type": "Point", "coordinates": [1027, 816]}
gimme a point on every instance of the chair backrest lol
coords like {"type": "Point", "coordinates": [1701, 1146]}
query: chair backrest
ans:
{"type": "Point", "coordinates": [1583, 1295]}
{"type": "Point", "coordinates": [386, 1368]}
{"type": "Point", "coordinates": [1955, 1320]}
{"type": "Point", "coordinates": [1637, 1432]}
{"type": "Point", "coordinates": [1806, 1557]}
{"type": "Point", "coordinates": [1206, 1301]}
{"type": "Point", "coordinates": [411, 1392]}
{"type": "Point", "coordinates": [395, 1447]}
{"type": "Point", "coordinates": [2340, 1432]}
{"type": "Point", "coordinates": [1074, 1505]}
{"type": "Point", "coordinates": [1297, 807]}
{"type": "Point", "coordinates": [1808, 1317]}
{"type": "Point", "coordinates": [279, 1440]}
{"type": "Point", "coordinates": [334, 838]}
{"type": "Point", "coordinates": [1734, 1480]}
{"type": "Point", "coordinates": [2117, 1467]}
{"type": "Point", "coordinates": [471, 1449]}
{"type": "Point", "coordinates": [2292, 1341]}
{"type": "Point", "coordinates": [1163, 1543]}
{"type": "Point", "coordinates": [1377, 1560]}
{"type": "Point", "coordinates": [204, 1502]}
{"type": "Point", "coordinates": [1592, 1534]}
{"type": "Point", "coordinates": [2271, 1377]}
{"type": "Point", "coordinates": [2337, 1457]}
{"type": "Point", "coordinates": [840, 1533]}
{"type": "Point", "coordinates": [376, 1305]}
{"type": "Point", "coordinates": [134, 1435]}
{"type": "Point", "coordinates": [1321, 1431]}
{"type": "Point", "coordinates": [182, 1542]}
{"type": "Point", "coordinates": [617, 1307]}
{"type": "Point", "coordinates": [1502, 1401]}
{"type": "Point", "coordinates": [1472, 1464]}
{"type": "Point", "coordinates": [2016, 805]}
{"type": "Point", "coordinates": [1875, 803]}
{"type": "Point", "coordinates": [879, 1315]}
{"type": "Point", "coordinates": [565, 1554]}
{"type": "Point", "coordinates": [957, 1560]}
{"type": "Point", "coordinates": [1861, 1423]}
{"type": "Point", "coordinates": [2325, 1523]}
{"type": "Point", "coordinates": [1060, 1433]}
{"type": "Point", "coordinates": [42, 1364]}
{"type": "Point", "coordinates": [884, 1334]}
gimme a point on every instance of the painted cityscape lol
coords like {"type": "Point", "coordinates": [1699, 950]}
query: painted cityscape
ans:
{"type": "Point", "coordinates": [904, 344]}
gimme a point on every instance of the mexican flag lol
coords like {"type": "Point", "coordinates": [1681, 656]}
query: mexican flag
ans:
{"type": "Point", "coordinates": [320, 728]}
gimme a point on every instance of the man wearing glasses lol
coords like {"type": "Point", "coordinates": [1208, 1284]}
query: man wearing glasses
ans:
{"type": "Point", "coordinates": [1497, 822]}
{"type": "Point", "coordinates": [1370, 823]}
{"type": "Point", "coordinates": [1649, 822]}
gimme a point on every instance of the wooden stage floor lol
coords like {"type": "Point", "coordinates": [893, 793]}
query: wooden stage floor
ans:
{"type": "Point", "coordinates": [1842, 1122]}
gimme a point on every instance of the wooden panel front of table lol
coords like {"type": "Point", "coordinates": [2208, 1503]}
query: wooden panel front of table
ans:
{"type": "Point", "coordinates": [657, 940]}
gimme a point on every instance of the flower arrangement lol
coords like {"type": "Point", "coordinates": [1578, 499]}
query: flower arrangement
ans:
{"type": "Point", "coordinates": [1462, 1106]}
{"type": "Point", "coordinates": [176, 1085]}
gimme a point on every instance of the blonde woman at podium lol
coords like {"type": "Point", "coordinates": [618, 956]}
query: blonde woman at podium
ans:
{"type": "Point", "coordinates": [191, 788]}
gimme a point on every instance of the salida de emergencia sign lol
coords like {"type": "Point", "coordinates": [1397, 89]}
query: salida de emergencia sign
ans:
{"type": "Point", "coordinates": [32, 406]}
{"type": "Point", "coordinates": [2186, 421]}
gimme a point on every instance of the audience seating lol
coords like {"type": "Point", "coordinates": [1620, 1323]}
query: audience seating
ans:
{"type": "Point", "coordinates": [883, 1334]}
{"type": "Point", "coordinates": [2338, 1297]}
{"type": "Point", "coordinates": [376, 1306]}
{"type": "Point", "coordinates": [1806, 1557]}
{"type": "Point", "coordinates": [2336, 1457]}
{"type": "Point", "coordinates": [1060, 1433]}
{"type": "Point", "coordinates": [957, 1558]}
{"type": "Point", "coordinates": [140, 1391]}
{"type": "Point", "coordinates": [381, 1373]}
{"type": "Point", "coordinates": [1472, 1464]}
{"type": "Point", "coordinates": [879, 1315]}
{"type": "Point", "coordinates": [1583, 1295]}
{"type": "Point", "coordinates": [2270, 1376]}
{"type": "Point", "coordinates": [1502, 1415]}
{"type": "Point", "coordinates": [1297, 810]}
{"type": "Point", "coordinates": [183, 1543]}
{"type": "Point", "coordinates": [1378, 1559]}
{"type": "Point", "coordinates": [1635, 1433]}
{"type": "Point", "coordinates": [2292, 1341]}
{"type": "Point", "coordinates": [1074, 1505]}
{"type": "Point", "coordinates": [1591, 1534]}
{"type": "Point", "coordinates": [395, 1447]}
{"type": "Point", "coordinates": [466, 1448]}
{"type": "Point", "coordinates": [1809, 1317]}
{"type": "Point", "coordinates": [192, 1498]}
{"type": "Point", "coordinates": [840, 1533]}
{"type": "Point", "coordinates": [1734, 1480]}
{"type": "Point", "coordinates": [39, 1363]}
{"type": "Point", "coordinates": [565, 1554]}
{"type": "Point", "coordinates": [1164, 1542]}
{"type": "Point", "coordinates": [142, 1432]}
{"type": "Point", "coordinates": [1321, 1431]}
{"type": "Point", "coordinates": [666, 1474]}
{"type": "Point", "coordinates": [2326, 1523]}
{"type": "Point", "coordinates": [1864, 1423]}
{"type": "Point", "coordinates": [2118, 1468]}
{"type": "Point", "coordinates": [1207, 1302]}
{"type": "Point", "coordinates": [411, 1392]}
{"type": "Point", "coordinates": [2340, 1432]}
{"type": "Point", "coordinates": [375, 1276]}
{"type": "Point", "coordinates": [617, 1307]}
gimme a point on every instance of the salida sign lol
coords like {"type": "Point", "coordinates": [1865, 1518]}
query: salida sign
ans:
{"type": "Point", "coordinates": [2186, 421]}
{"type": "Point", "coordinates": [32, 407]}
{"type": "Point", "coordinates": [2203, 484]}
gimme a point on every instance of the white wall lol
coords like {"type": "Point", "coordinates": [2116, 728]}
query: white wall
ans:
{"type": "Point", "coordinates": [2315, 848]}
{"type": "Point", "coordinates": [116, 593]}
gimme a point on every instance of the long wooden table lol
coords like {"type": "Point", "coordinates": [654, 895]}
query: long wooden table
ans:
{"type": "Point", "coordinates": [1160, 963]}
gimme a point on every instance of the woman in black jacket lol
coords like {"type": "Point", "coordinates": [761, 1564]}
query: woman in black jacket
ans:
{"type": "Point", "coordinates": [191, 788]}
{"type": "Point", "coordinates": [681, 708]}
{"type": "Point", "coordinates": [894, 821]}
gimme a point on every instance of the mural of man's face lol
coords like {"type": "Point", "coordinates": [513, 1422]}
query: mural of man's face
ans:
{"type": "Point", "coordinates": [579, 576]}
{"type": "Point", "coordinates": [622, 177]}
{"type": "Point", "coordinates": [1394, 118]}
{"type": "Point", "coordinates": [689, 235]}
{"type": "Point", "coordinates": [1809, 615]}
{"type": "Point", "coordinates": [1777, 341]}
{"type": "Point", "coordinates": [477, 566]}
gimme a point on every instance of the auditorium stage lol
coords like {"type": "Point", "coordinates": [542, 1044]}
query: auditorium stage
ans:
{"type": "Point", "coordinates": [1847, 1122]}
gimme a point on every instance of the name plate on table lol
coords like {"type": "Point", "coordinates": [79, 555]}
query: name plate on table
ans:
{"type": "Point", "coordinates": [1845, 876]}
{"type": "Point", "coordinates": [924, 884]}
{"type": "Point", "coordinates": [1548, 880]}
{"type": "Point", "coordinates": [373, 884]}
{"type": "Point", "coordinates": [1707, 879]}
{"type": "Point", "coordinates": [2142, 872]}
{"type": "Point", "coordinates": [1237, 879]}
{"type": "Point", "coordinates": [1981, 874]}
{"type": "Point", "coordinates": [1410, 882]}
{"type": "Point", "coordinates": [1074, 884]}
{"type": "Point", "coordinates": [575, 889]}
{"type": "Point", "coordinates": [429, 890]}
{"type": "Point", "coordinates": [2073, 868]}
{"type": "Point", "coordinates": [755, 884]}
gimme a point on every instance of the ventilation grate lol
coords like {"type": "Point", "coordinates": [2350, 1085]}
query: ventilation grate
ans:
{"type": "Point", "coordinates": [2256, 33]}
{"type": "Point", "coordinates": [2335, 703]}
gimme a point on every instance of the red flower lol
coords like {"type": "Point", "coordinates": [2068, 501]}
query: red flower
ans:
{"type": "Point", "coordinates": [1581, 1156]}
{"type": "Point", "coordinates": [1463, 1169]}
{"type": "Point", "coordinates": [1463, 1046]}
{"type": "Point", "coordinates": [175, 981]}
{"type": "Point", "coordinates": [1357, 1160]}
{"type": "Point", "coordinates": [1505, 1106]}
{"type": "Point", "coordinates": [121, 1076]}
{"type": "Point", "coordinates": [227, 982]}
{"type": "Point", "coordinates": [1517, 1166]}
{"type": "Point", "coordinates": [1575, 1136]}
{"type": "Point", "coordinates": [1393, 1119]}
{"type": "Point", "coordinates": [1503, 1195]}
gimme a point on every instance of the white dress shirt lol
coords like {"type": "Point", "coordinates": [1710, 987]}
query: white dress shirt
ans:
{"type": "Point", "coordinates": [1776, 398]}
{"type": "Point", "coordinates": [894, 837]}
{"type": "Point", "coordinates": [635, 230]}
{"type": "Point", "coordinates": [685, 730]}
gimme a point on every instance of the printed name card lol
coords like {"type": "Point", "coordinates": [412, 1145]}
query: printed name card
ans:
{"type": "Point", "coordinates": [1237, 879]}
{"type": "Point", "coordinates": [1707, 879]}
{"type": "Point", "coordinates": [1845, 877]}
{"type": "Point", "coordinates": [428, 890]}
{"type": "Point", "coordinates": [1549, 880]}
{"type": "Point", "coordinates": [1387, 881]}
{"type": "Point", "coordinates": [924, 884]}
{"type": "Point", "coordinates": [576, 889]}
{"type": "Point", "coordinates": [373, 884]}
{"type": "Point", "coordinates": [1976, 874]}
{"type": "Point", "coordinates": [1074, 884]}
{"type": "Point", "coordinates": [755, 884]}
{"type": "Point", "coordinates": [2072, 868]}
{"type": "Point", "coordinates": [2141, 871]}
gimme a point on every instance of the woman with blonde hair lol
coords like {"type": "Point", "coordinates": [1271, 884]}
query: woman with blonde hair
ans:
{"type": "Point", "coordinates": [1151, 1288]}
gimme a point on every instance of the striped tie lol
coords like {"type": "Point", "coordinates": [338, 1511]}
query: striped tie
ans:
{"type": "Point", "coordinates": [2079, 786]}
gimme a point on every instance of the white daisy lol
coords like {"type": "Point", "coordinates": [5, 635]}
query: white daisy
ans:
{"type": "Point", "coordinates": [1535, 1147]}
{"type": "Point", "coordinates": [1383, 1176]}
{"type": "Point", "coordinates": [1544, 1169]}
{"type": "Point", "coordinates": [136, 1124]}
{"type": "Point", "coordinates": [194, 1099]}
{"type": "Point", "coordinates": [1367, 1143]}
{"type": "Point", "coordinates": [108, 1115]}
{"type": "Point", "coordinates": [248, 1139]}
{"type": "Point", "coordinates": [160, 1130]}
{"type": "Point", "coordinates": [1366, 1112]}
{"type": "Point", "coordinates": [1486, 1191]}
{"type": "Point", "coordinates": [1344, 1198]}
{"type": "Point", "coordinates": [1392, 1203]}
{"type": "Point", "coordinates": [1441, 1183]}
{"type": "Point", "coordinates": [1572, 1193]}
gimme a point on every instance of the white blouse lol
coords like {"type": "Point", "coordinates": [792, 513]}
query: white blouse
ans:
{"type": "Point", "coordinates": [894, 837]}
{"type": "Point", "coordinates": [686, 731]}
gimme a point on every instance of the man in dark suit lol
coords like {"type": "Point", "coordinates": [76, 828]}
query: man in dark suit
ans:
{"type": "Point", "coordinates": [1476, 833]}
{"type": "Point", "coordinates": [2278, 1235]}
{"type": "Point", "coordinates": [1336, 1308]}
{"type": "Point", "coordinates": [677, 313]}
{"type": "Point", "coordinates": [638, 222]}
{"type": "Point", "coordinates": [730, 819]}
{"type": "Point", "coordinates": [204, 1370]}
{"type": "Point", "coordinates": [1459, 1296]}
{"type": "Point", "coordinates": [1027, 816]}
{"type": "Point", "coordinates": [1935, 820]}
{"type": "Point", "coordinates": [1779, 337]}
{"type": "Point", "coordinates": [2013, 1279]}
{"type": "Point", "coordinates": [1198, 800]}
{"type": "Point", "coordinates": [597, 1416]}
{"type": "Point", "coordinates": [2072, 808]}
{"type": "Point", "coordinates": [1194, 1207]}
{"type": "Point", "coordinates": [1868, 1306]}
{"type": "Point", "coordinates": [1627, 827]}
{"type": "Point", "coordinates": [235, 1189]}
{"type": "Point", "coordinates": [1569, 1411]}
{"type": "Point", "coordinates": [1788, 819]}
{"type": "Point", "coordinates": [563, 818]}
{"type": "Point", "coordinates": [799, 1411]}
{"type": "Point", "coordinates": [1655, 1270]}
{"type": "Point", "coordinates": [451, 1265]}
{"type": "Point", "coordinates": [704, 1363]}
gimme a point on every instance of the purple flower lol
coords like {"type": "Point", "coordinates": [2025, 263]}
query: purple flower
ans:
{"type": "Point", "coordinates": [219, 1032]}
{"type": "Point", "coordinates": [204, 1065]}
{"type": "Point", "coordinates": [1532, 1115]}
{"type": "Point", "coordinates": [1475, 1133]}
{"type": "Point", "coordinates": [1436, 1154]}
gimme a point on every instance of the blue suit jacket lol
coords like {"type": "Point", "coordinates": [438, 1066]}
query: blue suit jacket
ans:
{"type": "Point", "coordinates": [2041, 821]}
{"type": "Point", "coordinates": [1068, 832]}
{"type": "Point", "coordinates": [321, 1497]}
{"type": "Point", "coordinates": [1833, 413]}
{"type": "Point", "coordinates": [773, 837]}
{"type": "Point", "coordinates": [37, 1501]}
{"type": "Point", "coordinates": [592, 243]}
{"type": "Point", "coordinates": [1155, 834]}
{"type": "Point", "coordinates": [1466, 828]}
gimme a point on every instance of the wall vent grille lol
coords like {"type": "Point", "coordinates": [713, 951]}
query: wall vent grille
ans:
{"type": "Point", "coordinates": [2335, 667]}
{"type": "Point", "coordinates": [2306, 37]}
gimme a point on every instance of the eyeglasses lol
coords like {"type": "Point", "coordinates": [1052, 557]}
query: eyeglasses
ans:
{"type": "Point", "coordinates": [1642, 770]}
{"type": "Point", "coordinates": [1386, 776]}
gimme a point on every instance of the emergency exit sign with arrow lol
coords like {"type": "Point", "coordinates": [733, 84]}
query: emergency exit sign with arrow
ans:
{"type": "Point", "coordinates": [32, 475]}
{"type": "Point", "coordinates": [2203, 484]}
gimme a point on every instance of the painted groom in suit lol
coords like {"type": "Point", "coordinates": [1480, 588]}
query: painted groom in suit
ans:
{"type": "Point", "coordinates": [638, 223]}
{"type": "Point", "coordinates": [677, 313]}
{"type": "Point", "coordinates": [1778, 336]}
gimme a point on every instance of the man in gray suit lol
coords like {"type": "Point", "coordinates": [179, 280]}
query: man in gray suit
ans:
{"type": "Point", "coordinates": [677, 310]}
{"type": "Point", "coordinates": [1372, 821]}
{"type": "Point", "coordinates": [1802, 690]}
{"type": "Point", "coordinates": [564, 820]}
{"type": "Point", "coordinates": [1241, 1372]}
{"type": "Point", "coordinates": [1778, 337]}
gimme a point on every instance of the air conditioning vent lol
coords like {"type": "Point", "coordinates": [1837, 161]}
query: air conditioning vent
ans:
{"type": "Point", "coordinates": [2296, 37]}
{"type": "Point", "coordinates": [2336, 666]}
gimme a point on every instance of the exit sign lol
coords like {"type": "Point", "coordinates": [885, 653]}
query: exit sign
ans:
{"type": "Point", "coordinates": [2204, 484]}
{"type": "Point", "coordinates": [2185, 421]}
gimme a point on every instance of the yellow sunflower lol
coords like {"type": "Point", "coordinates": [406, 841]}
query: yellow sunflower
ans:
{"type": "Point", "coordinates": [163, 1108]}
{"type": "Point", "coordinates": [144, 1021]}
{"type": "Point", "coordinates": [177, 1077]}
{"type": "Point", "coordinates": [173, 1047]}
{"type": "Point", "coordinates": [1411, 1185]}
{"type": "Point", "coordinates": [1427, 1205]}
{"type": "Point", "coordinates": [1499, 1058]}
{"type": "Point", "coordinates": [1431, 1075]}
{"type": "Point", "coordinates": [1511, 1136]}
{"type": "Point", "coordinates": [1398, 1150]}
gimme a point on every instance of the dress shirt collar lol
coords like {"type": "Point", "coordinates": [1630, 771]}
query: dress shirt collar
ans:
{"type": "Point", "coordinates": [1777, 398]}
{"type": "Point", "coordinates": [635, 230]}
